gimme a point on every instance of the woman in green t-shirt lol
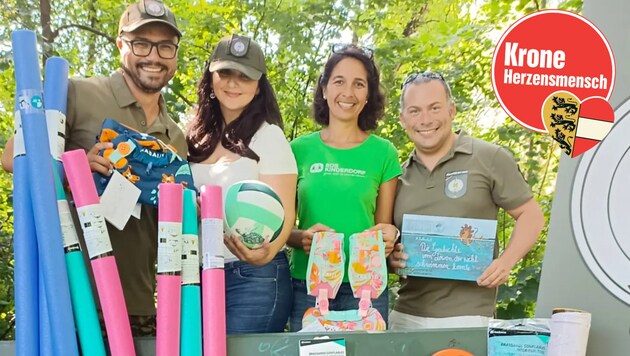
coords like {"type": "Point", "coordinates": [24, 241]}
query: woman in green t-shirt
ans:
{"type": "Point", "coordinates": [347, 177]}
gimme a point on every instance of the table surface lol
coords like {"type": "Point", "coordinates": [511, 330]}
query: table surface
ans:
{"type": "Point", "coordinates": [416, 343]}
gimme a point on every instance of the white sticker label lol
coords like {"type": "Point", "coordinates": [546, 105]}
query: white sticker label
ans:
{"type": "Point", "coordinates": [323, 347]}
{"type": "Point", "coordinates": [212, 238]}
{"type": "Point", "coordinates": [30, 101]}
{"type": "Point", "coordinates": [137, 210]}
{"type": "Point", "coordinates": [68, 232]}
{"type": "Point", "coordinates": [119, 200]}
{"type": "Point", "coordinates": [18, 141]}
{"type": "Point", "coordinates": [169, 247]}
{"type": "Point", "coordinates": [190, 259]}
{"type": "Point", "coordinates": [56, 123]}
{"type": "Point", "coordinates": [94, 230]}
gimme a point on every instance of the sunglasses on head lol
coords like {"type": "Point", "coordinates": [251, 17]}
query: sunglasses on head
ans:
{"type": "Point", "coordinates": [426, 74]}
{"type": "Point", "coordinates": [340, 48]}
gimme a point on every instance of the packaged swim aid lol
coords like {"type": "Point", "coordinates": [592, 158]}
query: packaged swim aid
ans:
{"type": "Point", "coordinates": [143, 159]}
{"type": "Point", "coordinates": [518, 337]}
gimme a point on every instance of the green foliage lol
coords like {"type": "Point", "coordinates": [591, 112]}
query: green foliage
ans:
{"type": "Point", "coordinates": [6, 258]}
{"type": "Point", "coordinates": [454, 37]}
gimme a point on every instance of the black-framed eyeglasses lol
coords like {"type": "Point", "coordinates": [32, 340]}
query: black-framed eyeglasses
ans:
{"type": "Point", "coordinates": [142, 48]}
{"type": "Point", "coordinates": [426, 74]}
{"type": "Point", "coordinates": [342, 47]}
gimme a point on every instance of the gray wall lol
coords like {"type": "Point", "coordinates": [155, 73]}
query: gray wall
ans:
{"type": "Point", "coordinates": [567, 280]}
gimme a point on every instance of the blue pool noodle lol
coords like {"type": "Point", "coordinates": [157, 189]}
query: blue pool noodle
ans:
{"type": "Point", "coordinates": [56, 91]}
{"type": "Point", "coordinates": [25, 271]}
{"type": "Point", "coordinates": [46, 347]}
{"type": "Point", "coordinates": [56, 84]}
{"type": "Point", "coordinates": [85, 315]}
{"type": "Point", "coordinates": [40, 177]}
{"type": "Point", "coordinates": [54, 68]}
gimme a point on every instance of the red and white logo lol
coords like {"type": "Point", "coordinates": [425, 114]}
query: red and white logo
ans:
{"type": "Point", "coordinates": [555, 51]}
{"type": "Point", "coordinates": [576, 126]}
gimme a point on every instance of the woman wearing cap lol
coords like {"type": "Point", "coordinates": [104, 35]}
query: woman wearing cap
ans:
{"type": "Point", "coordinates": [236, 134]}
{"type": "Point", "coordinates": [347, 177]}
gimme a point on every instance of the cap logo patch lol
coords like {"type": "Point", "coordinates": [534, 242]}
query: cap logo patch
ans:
{"type": "Point", "coordinates": [155, 8]}
{"type": "Point", "coordinates": [239, 46]}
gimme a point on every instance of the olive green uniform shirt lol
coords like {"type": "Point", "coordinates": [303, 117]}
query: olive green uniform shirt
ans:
{"type": "Point", "coordinates": [90, 101]}
{"type": "Point", "coordinates": [491, 180]}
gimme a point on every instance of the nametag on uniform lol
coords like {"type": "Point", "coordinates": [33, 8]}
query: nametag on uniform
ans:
{"type": "Point", "coordinates": [119, 200]}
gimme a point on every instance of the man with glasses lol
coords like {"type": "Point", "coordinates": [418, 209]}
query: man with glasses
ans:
{"type": "Point", "coordinates": [148, 39]}
{"type": "Point", "coordinates": [452, 174]}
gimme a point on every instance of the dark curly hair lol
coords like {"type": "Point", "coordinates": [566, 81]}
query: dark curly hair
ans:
{"type": "Point", "coordinates": [208, 126]}
{"type": "Point", "coordinates": [375, 107]}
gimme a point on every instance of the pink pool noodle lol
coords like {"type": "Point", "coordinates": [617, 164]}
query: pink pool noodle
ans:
{"type": "Point", "coordinates": [170, 202]}
{"type": "Point", "coordinates": [105, 269]}
{"type": "Point", "coordinates": [168, 314]}
{"type": "Point", "coordinates": [213, 280]}
{"type": "Point", "coordinates": [169, 283]}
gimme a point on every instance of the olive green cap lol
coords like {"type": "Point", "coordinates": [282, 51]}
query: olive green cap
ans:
{"type": "Point", "coordinates": [147, 11]}
{"type": "Point", "coordinates": [239, 53]}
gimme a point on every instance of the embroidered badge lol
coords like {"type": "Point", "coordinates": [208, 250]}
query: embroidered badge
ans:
{"type": "Point", "coordinates": [239, 46]}
{"type": "Point", "coordinates": [154, 8]}
{"type": "Point", "coordinates": [456, 184]}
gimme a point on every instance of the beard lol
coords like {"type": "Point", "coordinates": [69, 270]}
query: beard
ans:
{"type": "Point", "coordinates": [147, 82]}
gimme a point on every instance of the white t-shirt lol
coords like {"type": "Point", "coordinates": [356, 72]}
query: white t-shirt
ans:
{"type": "Point", "coordinates": [275, 156]}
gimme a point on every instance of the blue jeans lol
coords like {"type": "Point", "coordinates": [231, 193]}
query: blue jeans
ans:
{"type": "Point", "coordinates": [345, 300]}
{"type": "Point", "coordinates": [258, 298]}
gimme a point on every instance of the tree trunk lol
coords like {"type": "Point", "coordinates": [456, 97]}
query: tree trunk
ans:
{"type": "Point", "coordinates": [92, 39]}
{"type": "Point", "coordinates": [47, 33]}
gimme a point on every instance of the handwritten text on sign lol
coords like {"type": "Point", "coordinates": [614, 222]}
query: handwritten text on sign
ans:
{"type": "Point", "coordinates": [448, 248]}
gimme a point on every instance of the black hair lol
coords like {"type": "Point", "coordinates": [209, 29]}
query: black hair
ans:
{"type": "Point", "coordinates": [375, 107]}
{"type": "Point", "coordinates": [208, 126]}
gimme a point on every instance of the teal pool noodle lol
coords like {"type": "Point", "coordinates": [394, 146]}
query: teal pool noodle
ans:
{"type": "Point", "coordinates": [191, 321]}
{"type": "Point", "coordinates": [190, 222]}
{"type": "Point", "coordinates": [83, 306]}
{"type": "Point", "coordinates": [59, 192]}
{"type": "Point", "coordinates": [85, 315]}
{"type": "Point", "coordinates": [29, 90]}
{"type": "Point", "coordinates": [25, 270]}
{"type": "Point", "coordinates": [191, 293]}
